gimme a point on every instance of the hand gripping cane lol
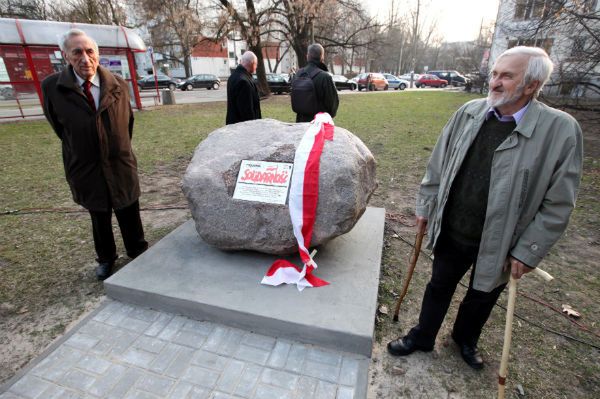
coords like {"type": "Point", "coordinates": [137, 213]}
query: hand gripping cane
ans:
{"type": "Point", "coordinates": [510, 311]}
{"type": "Point", "coordinates": [421, 227]}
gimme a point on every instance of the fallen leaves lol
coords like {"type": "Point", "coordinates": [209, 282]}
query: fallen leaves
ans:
{"type": "Point", "coordinates": [569, 311]}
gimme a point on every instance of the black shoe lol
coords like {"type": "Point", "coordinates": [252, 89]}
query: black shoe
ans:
{"type": "Point", "coordinates": [103, 271]}
{"type": "Point", "coordinates": [470, 354]}
{"type": "Point", "coordinates": [405, 346]}
{"type": "Point", "coordinates": [135, 254]}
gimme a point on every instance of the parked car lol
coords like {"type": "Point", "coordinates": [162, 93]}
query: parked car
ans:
{"type": "Point", "coordinates": [341, 83]}
{"type": "Point", "coordinates": [164, 82]}
{"type": "Point", "coordinates": [453, 77]}
{"type": "Point", "coordinates": [431, 80]}
{"type": "Point", "coordinates": [277, 83]}
{"type": "Point", "coordinates": [406, 77]}
{"type": "Point", "coordinates": [201, 81]}
{"type": "Point", "coordinates": [395, 82]}
{"type": "Point", "coordinates": [376, 81]}
{"type": "Point", "coordinates": [7, 92]}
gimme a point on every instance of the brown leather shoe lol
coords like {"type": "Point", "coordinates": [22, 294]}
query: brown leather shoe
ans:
{"type": "Point", "coordinates": [405, 346]}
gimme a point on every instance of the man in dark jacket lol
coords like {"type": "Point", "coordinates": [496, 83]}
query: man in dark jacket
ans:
{"type": "Point", "coordinates": [89, 109]}
{"type": "Point", "coordinates": [326, 94]}
{"type": "Point", "coordinates": [242, 95]}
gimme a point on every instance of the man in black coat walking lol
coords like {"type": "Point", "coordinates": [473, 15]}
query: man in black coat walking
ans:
{"type": "Point", "coordinates": [242, 96]}
{"type": "Point", "coordinates": [324, 89]}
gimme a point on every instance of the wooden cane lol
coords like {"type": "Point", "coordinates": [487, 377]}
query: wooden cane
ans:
{"type": "Point", "coordinates": [411, 268]}
{"type": "Point", "coordinates": [510, 311]}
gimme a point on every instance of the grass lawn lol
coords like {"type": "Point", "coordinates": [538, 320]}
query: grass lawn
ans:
{"type": "Point", "coordinates": [47, 259]}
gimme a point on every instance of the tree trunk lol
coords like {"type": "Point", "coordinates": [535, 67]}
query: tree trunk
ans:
{"type": "Point", "coordinates": [300, 46]}
{"type": "Point", "coordinates": [187, 64]}
{"type": "Point", "coordinates": [263, 86]}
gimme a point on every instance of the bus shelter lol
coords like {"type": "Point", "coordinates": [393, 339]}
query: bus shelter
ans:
{"type": "Point", "coordinates": [29, 52]}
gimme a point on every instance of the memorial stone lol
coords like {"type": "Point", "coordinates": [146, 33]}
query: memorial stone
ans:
{"type": "Point", "coordinates": [346, 182]}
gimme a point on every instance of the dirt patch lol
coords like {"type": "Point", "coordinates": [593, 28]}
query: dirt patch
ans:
{"type": "Point", "coordinates": [25, 331]}
{"type": "Point", "coordinates": [24, 335]}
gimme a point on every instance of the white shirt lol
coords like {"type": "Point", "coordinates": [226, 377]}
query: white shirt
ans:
{"type": "Point", "coordinates": [94, 88]}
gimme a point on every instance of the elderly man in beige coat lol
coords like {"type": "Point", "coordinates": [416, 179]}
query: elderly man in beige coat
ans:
{"type": "Point", "coordinates": [497, 194]}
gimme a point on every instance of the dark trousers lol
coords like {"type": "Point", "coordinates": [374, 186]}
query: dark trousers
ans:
{"type": "Point", "coordinates": [132, 231]}
{"type": "Point", "coordinates": [452, 260]}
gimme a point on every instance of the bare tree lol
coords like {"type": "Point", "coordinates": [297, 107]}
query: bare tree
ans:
{"type": "Point", "coordinates": [296, 19]}
{"type": "Point", "coordinates": [104, 12]}
{"type": "Point", "coordinates": [342, 26]}
{"type": "Point", "coordinates": [248, 22]}
{"type": "Point", "coordinates": [25, 9]}
{"type": "Point", "coordinates": [175, 27]}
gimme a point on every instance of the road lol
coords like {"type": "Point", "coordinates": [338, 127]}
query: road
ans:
{"type": "Point", "coordinates": [30, 106]}
{"type": "Point", "coordinates": [204, 95]}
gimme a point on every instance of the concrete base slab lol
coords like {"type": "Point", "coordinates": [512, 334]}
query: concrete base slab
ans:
{"type": "Point", "coordinates": [182, 274]}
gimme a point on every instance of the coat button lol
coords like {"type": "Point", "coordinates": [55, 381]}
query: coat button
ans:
{"type": "Point", "coordinates": [534, 247]}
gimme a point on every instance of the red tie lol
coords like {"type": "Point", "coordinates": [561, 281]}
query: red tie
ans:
{"type": "Point", "coordinates": [88, 93]}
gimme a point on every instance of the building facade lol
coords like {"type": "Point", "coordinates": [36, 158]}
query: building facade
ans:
{"type": "Point", "coordinates": [568, 30]}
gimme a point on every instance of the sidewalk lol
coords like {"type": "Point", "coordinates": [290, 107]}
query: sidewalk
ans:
{"type": "Point", "coordinates": [124, 351]}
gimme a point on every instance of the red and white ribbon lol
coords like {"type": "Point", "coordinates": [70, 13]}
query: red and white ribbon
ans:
{"type": "Point", "coordinates": [303, 200]}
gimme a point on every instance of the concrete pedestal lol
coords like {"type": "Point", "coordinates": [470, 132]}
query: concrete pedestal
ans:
{"type": "Point", "coordinates": [182, 274]}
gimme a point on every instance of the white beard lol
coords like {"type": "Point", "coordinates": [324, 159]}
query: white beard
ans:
{"type": "Point", "coordinates": [504, 98]}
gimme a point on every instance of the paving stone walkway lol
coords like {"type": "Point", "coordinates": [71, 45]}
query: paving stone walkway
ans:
{"type": "Point", "coordinates": [124, 351]}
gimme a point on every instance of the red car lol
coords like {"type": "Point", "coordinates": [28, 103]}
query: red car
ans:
{"type": "Point", "coordinates": [431, 80]}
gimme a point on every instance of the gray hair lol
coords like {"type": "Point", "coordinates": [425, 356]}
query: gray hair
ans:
{"type": "Point", "coordinates": [65, 37]}
{"type": "Point", "coordinates": [539, 65]}
{"type": "Point", "coordinates": [315, 52]}
{"type": "Point", "coordinates": [248, 58]}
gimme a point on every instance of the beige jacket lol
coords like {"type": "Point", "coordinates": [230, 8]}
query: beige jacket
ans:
{"type": "Point", "coordinates": [533, 185]}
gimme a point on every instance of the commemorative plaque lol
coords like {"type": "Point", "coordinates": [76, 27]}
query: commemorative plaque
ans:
{"type": "Point", "coordinates": [263, 181]}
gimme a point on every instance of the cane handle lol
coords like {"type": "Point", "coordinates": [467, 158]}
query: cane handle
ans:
{"type": "Point", "coordinates": [543, 274]}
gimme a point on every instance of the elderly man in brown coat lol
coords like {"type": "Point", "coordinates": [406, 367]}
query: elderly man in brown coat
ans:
{"type": "Point", "coordinates": [88, 108]}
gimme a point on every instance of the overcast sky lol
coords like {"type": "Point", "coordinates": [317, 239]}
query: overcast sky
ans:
{"type": "Point", "coordinates": [457, 20]}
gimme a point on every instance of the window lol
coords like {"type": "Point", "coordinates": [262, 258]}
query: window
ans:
{"type": "Point", "coordinates": [528, 9]}
{"type": "Point", "coordinates": [578, 49]}
{"type": "Point", "coordinates": [546, 44]}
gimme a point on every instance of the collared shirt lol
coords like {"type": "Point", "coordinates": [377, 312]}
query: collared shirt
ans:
{"type": "Point", "coordinates": [516, 117]}
{"type": "Point", "coordinates": [94, 88]}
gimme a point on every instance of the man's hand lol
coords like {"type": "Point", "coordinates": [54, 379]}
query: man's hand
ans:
{"type": "Point", "coordinates": [421, 224]}
{"type": "Point", "coordinates": [517, 268]}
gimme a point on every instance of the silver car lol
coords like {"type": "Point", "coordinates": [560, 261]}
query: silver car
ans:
{"type": "Point", "coordinates": [395, 82]}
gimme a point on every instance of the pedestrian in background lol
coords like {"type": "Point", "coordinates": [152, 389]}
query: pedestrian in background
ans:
{"type": "Point", "coordinates": [313, 90]}
{"type": "Point", "coordinates": [243, 103]}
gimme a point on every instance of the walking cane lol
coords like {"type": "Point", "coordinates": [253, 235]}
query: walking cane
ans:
{"type": "Point", "coordinates": [413, 262]}
{"type": "Point", "coordinates": [510, 311]}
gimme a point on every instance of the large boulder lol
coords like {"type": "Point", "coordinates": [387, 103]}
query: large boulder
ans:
{"type": "Point", "coordinates": [346, 182]}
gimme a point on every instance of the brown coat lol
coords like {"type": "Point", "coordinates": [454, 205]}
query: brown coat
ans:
{"type": "Point", "coordinates": [100, 166]}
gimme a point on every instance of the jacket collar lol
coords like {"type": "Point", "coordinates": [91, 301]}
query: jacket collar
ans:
{"type": "Point", "coordinates": [527, 124]}
{"type": "Point", "coordinates": [318, 64]}
{"type": "Point", "coordinates": [108, 83]}
{"type": "Point", "coordinates": [243, 70]}
{"type": "Point", "coordinates": [478, 110]}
